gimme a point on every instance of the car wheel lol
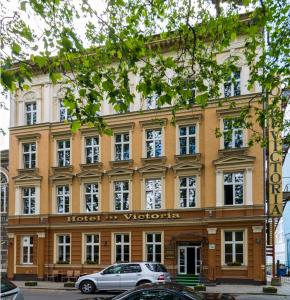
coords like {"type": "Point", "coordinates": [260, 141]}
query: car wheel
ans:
{"type": "Point", "coordinates": [87, 287]}
{"type": "Point", "coordinates": [143, 282]}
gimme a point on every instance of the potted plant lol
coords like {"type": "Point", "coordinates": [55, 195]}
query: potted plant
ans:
{"type": "Point", "coordinates": [269, 290]}
{"type": "Point", "coordinates": [62, 262]}
{"type": "Point", "coordinates": [200, 287]}
{"type": "Point", "coordinates": [234, 264]}
{"type": "Point", "coordinates": [91, 262]}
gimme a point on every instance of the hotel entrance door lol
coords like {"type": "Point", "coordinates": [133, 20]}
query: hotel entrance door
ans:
{"type": "Point", "coordinates": [189, 260]}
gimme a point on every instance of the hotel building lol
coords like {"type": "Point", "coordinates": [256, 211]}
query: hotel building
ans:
{"type": "Point", "coordinates": [152, 191]}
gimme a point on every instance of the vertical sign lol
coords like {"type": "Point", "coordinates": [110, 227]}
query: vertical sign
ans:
{"type": "Point", "coordinates": [275, 173]}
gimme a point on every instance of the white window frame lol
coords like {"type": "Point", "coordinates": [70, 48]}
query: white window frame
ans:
{"type": "Point", "coordinates": [153, 98]}
{"type": "Point", "coordinates": [114, 235]}
{"type": "Point", "coordinates": [187, 188]}
{"type": "Point", "coordinates": [4, 196]}
{"type": "Point", "coordinates": [30, 154]}
{"type": "Point", "coordinates": [63, 245]}
{"type": "Point", "coordinates": [92, 244]}
{"type": "Point", "coordinates": [237, 82]}
{"type": "Point", "coordinates": [153, 243]}
{"type": "Point", "coordinates": [154, 193]}
{"type": "Point", "coordinates": [234, 184]}
{"type": "Point", "coordinates": [122, 192]}
{"type": "Point", "coordinates": [32, 113]}
{"type": "Point", "coordinates": [187, 136]}
{"type": "Point", "coordinates": [122, 143]}
{"type": "Point", "coordinates": [245, 247]}
{"type": "Point", "coordinates": [91, 194]}
{"type": "Point", "coordinates": [66, 194]}
{"type": "Point", "coordinates": [29, 247]}
{"type": "Point", "coordinates": [92, 147]}
{"type": "Point", "coordinates": [234, 130]}
{"type": "Point", "coordinates": [154, 142]}
{"type": "Point", "coordinates": [64, 150]}
{"type": "Point", "coordinates": [29, 198]}
{"type": "Point", "coordinates": [61, 107]}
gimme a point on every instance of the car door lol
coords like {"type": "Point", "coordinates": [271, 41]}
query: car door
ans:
{"type": "Point", "coordinates": [110, 278]}
{"type": "Point", "coordinates": [130, 274]}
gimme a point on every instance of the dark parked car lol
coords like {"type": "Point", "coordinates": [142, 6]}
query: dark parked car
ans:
{"type": "Point", "coordinates": [169, 291]}
{"type": "Point", "coordinates": [9, 291]}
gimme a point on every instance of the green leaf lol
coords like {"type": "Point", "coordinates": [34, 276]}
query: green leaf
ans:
{"type": "Point", "coordinates": [16, 48]}
{"type": "Point", "coordinates": [55, 77]}
{"type": "Point", "coordinates": [75, 125]}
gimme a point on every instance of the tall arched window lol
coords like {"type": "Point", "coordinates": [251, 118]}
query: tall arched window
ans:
{"type": "Point", "coordinates": [4, 192]}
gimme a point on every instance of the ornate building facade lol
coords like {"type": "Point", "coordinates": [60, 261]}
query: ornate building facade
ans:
{"type": "Point", "coordinates": [151, 192]}
{"type": "Point", "coordinates": [4, 157]}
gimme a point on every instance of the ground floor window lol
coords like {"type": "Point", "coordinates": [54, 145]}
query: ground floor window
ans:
{"type": "Point", "coordinates": [27, 250]}
{"type": "Point", "coordinates": [234, 247]}
{"type": "Point", "coordinates": [153, 247]}
{"type": "Point", "coordinates": [63, 249]}
{"type": "Point", "coordinates": [122, 247]}
{"type": "Point", "coordinates": [92, 248]}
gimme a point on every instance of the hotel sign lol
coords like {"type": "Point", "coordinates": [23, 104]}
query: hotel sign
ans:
{"type": "Point", "coordinates": [275, 173]}
{"type": "Point", "coordinates": [123, 217]}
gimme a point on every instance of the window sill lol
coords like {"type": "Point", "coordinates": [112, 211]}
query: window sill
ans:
{"type": "Point", "coordinates": [121, 163]}
{"type": "Point", "coordinates": [240, 268]}
{"type": "Point", "coordinates": [233, 151]}
{"type": "Point", "coordinates": [91, 166]}
{"type": "Point", "coordinates": [23, 171]}
{"type": "Point", "coordinates": [154, 160]}
{"type": "Point", "coordinates": [187, 157]}
{"type": "Point", "coordinates": [65, 169]}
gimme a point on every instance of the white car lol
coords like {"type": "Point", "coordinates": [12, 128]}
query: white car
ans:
{"type": "Point", "coordinates": [123, 276]}
{"type": "Point", "coordinates": [9, 291]}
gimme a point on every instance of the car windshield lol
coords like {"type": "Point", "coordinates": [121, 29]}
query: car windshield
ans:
{"type": "Point", "coordinates": [6, 285]}
{"type": "Point", "coordinates": [156, 267]}
{"type": "Point", "coordinates": [193, 295]}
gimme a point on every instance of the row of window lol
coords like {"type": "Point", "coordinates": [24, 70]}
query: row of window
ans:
{"type": "Point", "coordinates": [153, 145]}
{"type": "Point", "coordinates": [4, 193]}
{"type": "Point", "coordinates": [233, 248]}
{"type": "Point", "coordinates": [187, 194]}
{"type": "Point", "coordinates": [232, 87]}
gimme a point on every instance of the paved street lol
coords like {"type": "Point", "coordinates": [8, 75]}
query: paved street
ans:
{"type": "Point", "coordinates": [30, 294]}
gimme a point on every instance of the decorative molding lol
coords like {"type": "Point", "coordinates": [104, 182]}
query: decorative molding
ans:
{"type": "Point", "coordinates": [59, 170]}
{"type": "Point", "coordinates": [28, 171]}
{"type": "Point", "coordinates": [62, 176]}
{"type": "Point", "coordinates": [121, 163]}
{"type": "Point", "coordinates": [211, 230]}
{"type": "Point", "coordinates": [121, 126]}
{"type": "Point", "coordinates": [153, 169]}
{"type": "Point", "coordinates": [153, 123]}
{"type": "Point", "coordinates": [28, 136]}
{"type": "Point", "coordinates": [91, 167]}
{"type": "Point", "coordinates": [187, 166]}
{"type": "Point", "coordinates": [234, 160]}
{"type": "Point", "coordinates": [27, 178]}
{"type": "Point", "coordinates": [62, 134]}
{"type": "Point", "coordinates": [41, 234]}
{"type": "Point", "coordinates": [154, 160]}
{"type": "Point", "coordinates": [186, 120]}
{"type": "Point", "coordinates": [90, 174]}
{"type": "Point", "coordinates": [257, 229]}
{"type": "Point", "coordinates": [228, 112]}
{"type": "Point", "coordinates": [188, 157]}
{"type": "Point", "coordinates": [10, 235]}
{"type": "Point", "coordinates": [119, 172]}
{"type": "Point", "coordinates": [233, 151]}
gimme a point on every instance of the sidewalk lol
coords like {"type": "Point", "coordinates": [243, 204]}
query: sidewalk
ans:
{"type": "Point", "coordinates": [222, 288]}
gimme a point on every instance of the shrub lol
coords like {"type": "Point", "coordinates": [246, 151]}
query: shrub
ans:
{"type": "Point", "coordinates": [30, 283]}
{"type": "Point", "coordinates": [60, 262]}
{"type": "Point", "coordinates": [269, 289]}
{"type": "Point", "coordinates": [69, 284]}
{"type": "Point", "coordinates": [200, 287]}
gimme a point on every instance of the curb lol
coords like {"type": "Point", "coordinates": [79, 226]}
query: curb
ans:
{"type": "Point", "coordinates": [46, 288]}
